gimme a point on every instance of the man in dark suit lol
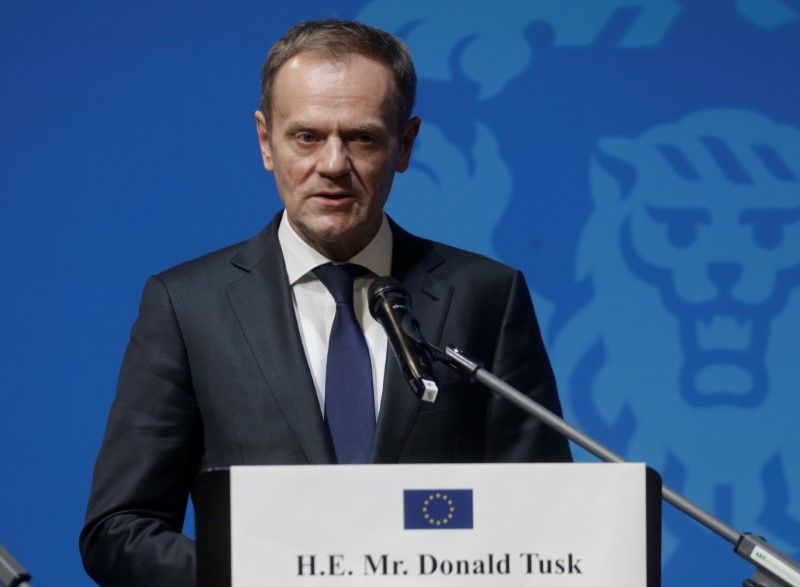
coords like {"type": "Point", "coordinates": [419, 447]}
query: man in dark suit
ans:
{"type": "Point", "coordinates": [229, 360]}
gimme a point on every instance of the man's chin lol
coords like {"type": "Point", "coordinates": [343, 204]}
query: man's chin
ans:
{"type": "Point", "coordinates": [337, 241]}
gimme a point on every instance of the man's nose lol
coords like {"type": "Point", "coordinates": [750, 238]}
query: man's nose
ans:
{"type": "Point", "coordinates": [334, 160]}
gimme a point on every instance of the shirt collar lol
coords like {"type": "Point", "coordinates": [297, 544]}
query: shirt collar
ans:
{"type": "Point", "coordinates": [300, 258]}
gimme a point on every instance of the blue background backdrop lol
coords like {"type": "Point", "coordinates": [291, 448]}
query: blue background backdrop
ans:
{"type": "Point", "coordinates": [638, 159]}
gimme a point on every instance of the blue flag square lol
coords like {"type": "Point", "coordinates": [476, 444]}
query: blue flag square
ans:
{"type": "Point", "coordinates": [437, 509]}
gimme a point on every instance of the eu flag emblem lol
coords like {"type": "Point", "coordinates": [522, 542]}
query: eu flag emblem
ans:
{"type": "Point", "coordinates": [437, 509]}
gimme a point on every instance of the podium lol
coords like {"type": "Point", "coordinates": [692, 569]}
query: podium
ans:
{"type": "Point", "coordinates": [429, 525]}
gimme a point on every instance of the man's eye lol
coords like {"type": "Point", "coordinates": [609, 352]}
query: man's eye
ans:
{"type": "Point", "coordinates": [306, 137]}
{"type": "Point", "coordinates": [364, 138]}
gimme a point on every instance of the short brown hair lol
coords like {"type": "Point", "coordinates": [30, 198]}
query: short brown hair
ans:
{"type": "Point", "coordinates": [338, 39]}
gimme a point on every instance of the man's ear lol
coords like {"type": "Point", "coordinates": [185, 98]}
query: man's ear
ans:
{"type": "Point", "coordinates": [407, 144]}
{"type": "Point", "coordinates": [263, 141]}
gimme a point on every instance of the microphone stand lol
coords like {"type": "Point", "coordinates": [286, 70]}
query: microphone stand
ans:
{"type": "Point", "coordinates": [11, 572]}
{"type": "Point", "coordinates": [773, 568]}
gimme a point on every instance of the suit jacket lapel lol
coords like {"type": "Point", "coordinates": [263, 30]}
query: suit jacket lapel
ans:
{"type": "Point", "coordinates": [262, 302]}
{"type": "Point", "coordinates": [413, 262]}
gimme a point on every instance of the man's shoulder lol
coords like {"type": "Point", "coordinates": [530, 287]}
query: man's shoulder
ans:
{"type": "Point", "coordinates": [469, 258]}
{"type": "Point", "coordinates": [225, 264]}
{"type": "Point", "coordinates": [475, 273]}
{"type": "Point", "coordinates": [215, 262]}
{"type": "Point", "coordinates": [454, 261]}
{"type": "Point", "coordinates": [197, 284]}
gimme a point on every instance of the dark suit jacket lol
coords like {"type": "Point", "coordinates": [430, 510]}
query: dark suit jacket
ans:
{"type": "Point", "coordinates": [215, 375]}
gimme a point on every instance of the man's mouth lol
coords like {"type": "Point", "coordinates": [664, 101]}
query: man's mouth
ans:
{"type": "Point", "coordinates": [333, 196]}
{"type": "Point", "coordinates": [333, 200]}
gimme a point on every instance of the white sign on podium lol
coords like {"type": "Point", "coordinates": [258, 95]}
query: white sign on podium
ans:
{"type": "Point", "coordinates": [439, 525]}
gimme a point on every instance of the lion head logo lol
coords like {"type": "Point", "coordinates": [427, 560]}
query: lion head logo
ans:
{"type": "Point", "coordinates": [714, 224]}
{"type": "Point", "coordinates": [692, 250]}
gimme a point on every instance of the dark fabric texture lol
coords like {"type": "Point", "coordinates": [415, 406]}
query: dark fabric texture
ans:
{"type": "Point", "coordinates": [215, 375]}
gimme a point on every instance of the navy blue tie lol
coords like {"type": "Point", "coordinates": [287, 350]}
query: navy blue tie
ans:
{"type": "Point", "coordinates": [349, 399]}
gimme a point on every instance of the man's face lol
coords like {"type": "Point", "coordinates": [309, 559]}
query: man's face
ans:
{"type": "Point", "coordinates": [334, 148]}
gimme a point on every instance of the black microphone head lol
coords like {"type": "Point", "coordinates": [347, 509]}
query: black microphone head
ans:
{"type": "Point", "coordinates": [385, 286]}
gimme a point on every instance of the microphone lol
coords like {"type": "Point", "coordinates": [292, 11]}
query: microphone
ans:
{"type": "Point", "coordinates": [390, 304]}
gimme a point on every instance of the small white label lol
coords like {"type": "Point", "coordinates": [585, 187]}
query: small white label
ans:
{"type": "Point", "coordinates": [431, 391]}
{"type": "Point", "coordinates": [775, 566]}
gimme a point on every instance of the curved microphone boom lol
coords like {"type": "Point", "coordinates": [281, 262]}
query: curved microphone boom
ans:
{"type": "Point", "coordinates": [390, 305]}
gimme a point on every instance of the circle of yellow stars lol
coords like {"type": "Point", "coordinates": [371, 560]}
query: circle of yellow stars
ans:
{"type": "Point", "coordinates": [433, 497]}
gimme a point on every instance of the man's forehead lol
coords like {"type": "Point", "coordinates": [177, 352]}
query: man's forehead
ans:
{"type": "Point", "coordinates": [339, 61]}
{"type": "Point", "coordinates": [314, 71]}
{"type": "Point", "coordinates": [300, 60]}
{"type": "Point", "coordinates": [314, 82]}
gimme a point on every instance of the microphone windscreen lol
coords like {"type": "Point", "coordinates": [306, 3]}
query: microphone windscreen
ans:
{"type": "Point", "coordinates": [385, 286]}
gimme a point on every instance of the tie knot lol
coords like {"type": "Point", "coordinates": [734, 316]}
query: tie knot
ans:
{"type": "Point", "coordinates": [339, 279]}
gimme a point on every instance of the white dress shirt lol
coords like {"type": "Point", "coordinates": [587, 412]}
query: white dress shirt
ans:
{"type": "Point", "coordinates": [315, 309]}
